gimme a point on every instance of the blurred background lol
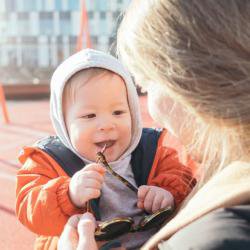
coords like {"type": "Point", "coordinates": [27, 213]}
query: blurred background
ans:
{"type": "Point", "coordinates": [36, 35]}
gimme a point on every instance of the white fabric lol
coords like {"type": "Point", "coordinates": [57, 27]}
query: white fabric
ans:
{"type": "Point", "coordinates": [84, 59]}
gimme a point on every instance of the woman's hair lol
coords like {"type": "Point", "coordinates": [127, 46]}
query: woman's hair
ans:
{"type": "Point", "coordinates": [200, 52]}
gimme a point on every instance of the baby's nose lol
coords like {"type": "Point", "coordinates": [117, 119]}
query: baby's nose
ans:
{"type": "Point", "coordinates": [106, 125]}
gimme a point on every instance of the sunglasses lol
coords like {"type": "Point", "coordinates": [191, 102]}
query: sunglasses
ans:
{"type": "Point", "coordinates": [116, 227]}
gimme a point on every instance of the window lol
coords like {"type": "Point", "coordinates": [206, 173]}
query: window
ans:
{"type": "Point", "coordinates": [58, 5]}
{"type": "Point", "coordinates": [29, 51]}
{"type": "Point", "coordinates": [41, 5]}
{"type": "Point", "coordinates": [103, 26]}
{"type": "Point", "coordinates": [12, 55]}
{"type": "Point", "coordinates": [101, 5]}
{"type": "Point", "coordinates": [2, 6]}
{"type": "Point", "coordinates": [23, 23]}
{"type": "Point", "coordinates": [43, 50]}
{"type": "Point", "coordinates": [60, 54]}
{"type": "Point", "coordinates": [10, 5]}
{"type": "Point", "coordinates": [46, 23]}
{"type": "Point", "coordinates": [94, 40]}
{"type": "Point", "coordinates": [3, 25]}
{"type": "Point", "coordinates": [72, 44]}
{"type": "Point", "coordinates": [74, 4]}
{"type": "Point", "coordinates": [29, 5]}
{"type": "Point", "coordinates": [90, 14]}
{"type": "Point", "coordinates": [65, 23]}
{"type": "Point", "coordinates": [102, 15]}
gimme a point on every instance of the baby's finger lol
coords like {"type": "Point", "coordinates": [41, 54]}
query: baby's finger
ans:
{"type": "Point", "coordinates": [91, 193]}
{"type": "Point", "coordinates": [92, 175]}
{"type": "Point", "coordinates": [140, 204]}
{"type": "Point", "coordinates": [142, 192]}
{"type": "Point", "coordinates": [148, 201]}
{"type": "Point", "coordinates": [92, 183]}
{"type": "Point", "coordinates": [157, 203]}
{"type": "Point", "coordinates": [95, 167]}
{"type": "Point", "coordinates": [166, 202]}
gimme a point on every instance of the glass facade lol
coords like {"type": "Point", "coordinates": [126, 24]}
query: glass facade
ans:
{"type": "Point", "coordinates": [46, 26]}
{"type": "Point", "coordinates": [41, 33]}
{"type": "Point", "coordinates": [58, 5]}
{"type": "Point", "coordinates": [65, 23]}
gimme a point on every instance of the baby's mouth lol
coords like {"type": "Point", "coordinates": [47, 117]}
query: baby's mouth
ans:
{"type": "Point", "coordinates": [108, 143]}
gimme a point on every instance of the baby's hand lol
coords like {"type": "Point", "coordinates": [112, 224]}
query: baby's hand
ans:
{"type": "Point", "coordinates": [86, 184]}
{"type": "Point", "coordinates": [152, 198]}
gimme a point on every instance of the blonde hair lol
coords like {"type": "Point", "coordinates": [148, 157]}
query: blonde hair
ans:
{"type": "Point", "coordinates": [200, 52]}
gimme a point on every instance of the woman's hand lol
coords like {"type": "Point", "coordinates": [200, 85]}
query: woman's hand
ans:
{"type": "Point", "coordinates": [86, 231]}
{"type": "Point", "coordinates": [78, 233]}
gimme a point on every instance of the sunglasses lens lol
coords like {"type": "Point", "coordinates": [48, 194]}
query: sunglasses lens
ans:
{"type": "Point", "coordinates": [113, 228]}
{"type": "Point", "coordinates": [156, 219]}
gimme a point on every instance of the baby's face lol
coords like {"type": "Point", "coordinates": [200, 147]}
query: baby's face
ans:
{"type": "Point", "coordinates": [100, 115]}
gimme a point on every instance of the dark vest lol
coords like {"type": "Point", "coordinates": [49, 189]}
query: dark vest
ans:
{"type": "Point", "coordinates": [141, 160]}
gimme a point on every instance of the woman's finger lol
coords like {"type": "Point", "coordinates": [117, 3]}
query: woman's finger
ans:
{"type": "Point", "coordinates": [73, 220]}
{"type": "Point", "coordinates": [87, 224]}
{"type": "Point", "coordinates": [86, 232]}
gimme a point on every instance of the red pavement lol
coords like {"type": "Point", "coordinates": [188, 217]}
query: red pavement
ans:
{"type": "Point", "coordinates": [29, 121]}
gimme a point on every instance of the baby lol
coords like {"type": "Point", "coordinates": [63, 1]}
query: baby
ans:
{"type": "Point", "coordinates": [94, 104]}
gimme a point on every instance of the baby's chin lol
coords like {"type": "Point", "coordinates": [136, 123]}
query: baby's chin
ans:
{"type": "Point", "coordinates": [111, 158]}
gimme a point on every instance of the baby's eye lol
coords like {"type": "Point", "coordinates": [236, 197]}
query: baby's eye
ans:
{"type": "Point", "coordinates": [119, 112]}
{"type": "Point", "coordinates": [89, 116]}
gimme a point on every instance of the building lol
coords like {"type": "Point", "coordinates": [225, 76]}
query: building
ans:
{"type": "Point", "coordinates": [36, 35]}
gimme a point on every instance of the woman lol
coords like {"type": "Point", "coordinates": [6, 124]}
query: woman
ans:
{"type": "Point", "coordinates": [193, 58]}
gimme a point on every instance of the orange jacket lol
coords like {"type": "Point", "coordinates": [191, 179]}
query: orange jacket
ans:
{"type": "Point", "coordinates": [44, 206]}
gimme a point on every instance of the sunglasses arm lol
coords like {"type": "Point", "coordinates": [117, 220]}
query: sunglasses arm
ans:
{"type": "Point", "coordinates": [101, 159]}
